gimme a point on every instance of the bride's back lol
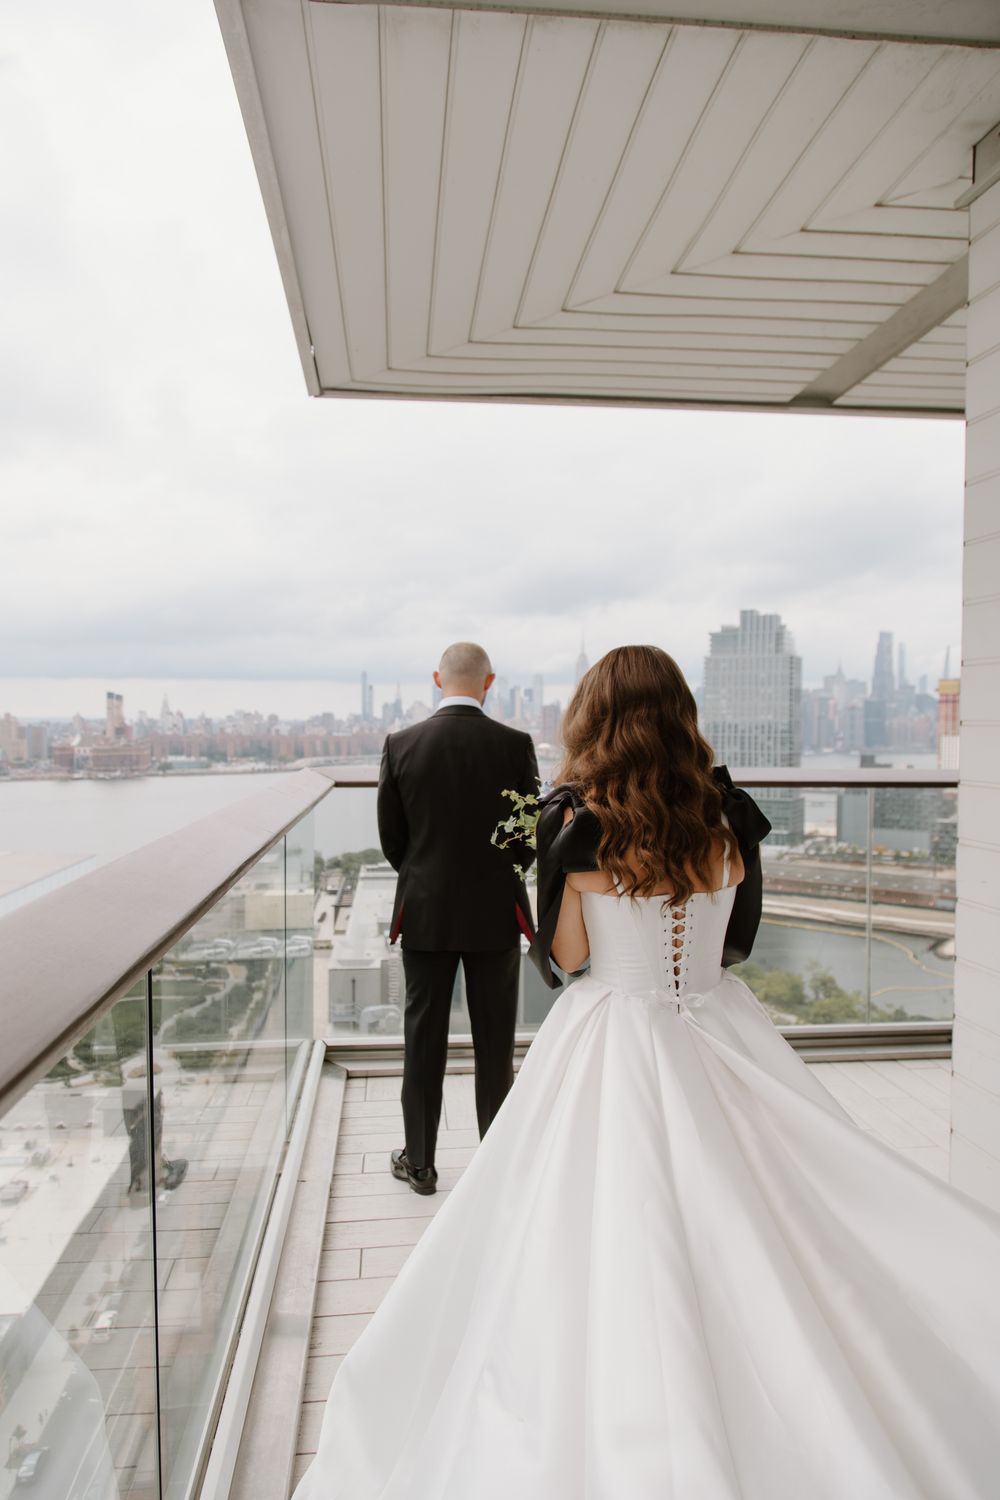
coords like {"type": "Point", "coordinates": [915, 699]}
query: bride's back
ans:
{"type": "Point", "coordinates": [723, 871]}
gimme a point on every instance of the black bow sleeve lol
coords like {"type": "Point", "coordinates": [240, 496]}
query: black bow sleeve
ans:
{"type": "Point", "coordinates": [558, 849]}
{"type": "Point", "coordinates": [750, 827]}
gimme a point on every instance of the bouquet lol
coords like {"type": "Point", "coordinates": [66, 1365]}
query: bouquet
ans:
{"type": "Point", "coordinates": [519, 828]}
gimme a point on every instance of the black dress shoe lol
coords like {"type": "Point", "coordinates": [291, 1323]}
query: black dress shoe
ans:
{"type": "Point", "coordinates": [421, 1179]}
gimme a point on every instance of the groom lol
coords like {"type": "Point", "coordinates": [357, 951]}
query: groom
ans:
{"type": "Point", "coordinates": [457, 897]}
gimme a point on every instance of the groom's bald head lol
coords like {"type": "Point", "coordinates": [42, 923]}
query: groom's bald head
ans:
{"type": "Point", "coordinates": [464, 670]}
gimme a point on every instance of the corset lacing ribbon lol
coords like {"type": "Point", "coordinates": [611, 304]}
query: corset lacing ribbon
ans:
{"type": "Point", "coordinates": [689, 1000]}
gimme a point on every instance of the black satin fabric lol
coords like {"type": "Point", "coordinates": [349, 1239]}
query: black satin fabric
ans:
{"type": "Point", "coordinates": [562, 849]}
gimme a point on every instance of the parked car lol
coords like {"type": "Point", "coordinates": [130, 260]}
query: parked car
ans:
{"type": "Point", "coordinates": [13, 1191]}
{"type": "Point", "coordinates": [298, 946]}
{"type": "Point", "coordinates": [30, 1466]}
{"type": "Point", "coordinates": [214, 950]}
{"type": "Point", "coordinates": [261, 947]}
{"type": "Point", "coordinates": [198, 953]}
{"type": "Point", "coordinates": [104, 1325]}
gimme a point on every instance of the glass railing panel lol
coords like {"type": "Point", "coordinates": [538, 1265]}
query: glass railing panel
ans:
{"type": "Point", "coordinates": [859, 916]}
{"type": "Point", "coordinates": [913, 841]}
{"type": "Point", "coordinates": [304, 999]}
{"type": "Point", "coordinates": [858, 920]}
{"type": "Point", "coordinates": [220, 1050]}
{"type": "Point", "coordinates": [77, 1331]}
{"type": "Point", "coordinates": [358, 974]}
{"type": "Point", "coordinates": [810, 962]}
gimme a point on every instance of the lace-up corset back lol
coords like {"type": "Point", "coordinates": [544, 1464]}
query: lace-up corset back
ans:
{"type": "Point", "coordinates": [651, 943]}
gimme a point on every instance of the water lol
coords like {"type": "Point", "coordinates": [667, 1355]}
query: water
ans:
{"type": "Point", "coordinates": [105, 819]}
{"type": "Point", "coordinates": [108, 818]}
{"type": "Point", "coordinates": [906, 972]}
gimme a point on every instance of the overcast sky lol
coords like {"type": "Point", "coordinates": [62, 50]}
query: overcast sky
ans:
{"type": "Point", "coordinates": [174, 505]}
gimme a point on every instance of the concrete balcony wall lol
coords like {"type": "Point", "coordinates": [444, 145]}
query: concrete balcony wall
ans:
{"type": "Point", "coordinates": [975, 1145]}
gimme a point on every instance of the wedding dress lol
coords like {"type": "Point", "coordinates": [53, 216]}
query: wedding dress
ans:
{"type": "Point", "coordinates": [676, 1270]}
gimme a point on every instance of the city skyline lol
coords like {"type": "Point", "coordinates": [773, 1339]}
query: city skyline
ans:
{"type": "Point", "coordinates": [302, 698]}
{"type": "Point", "coordinates": [754, 711]}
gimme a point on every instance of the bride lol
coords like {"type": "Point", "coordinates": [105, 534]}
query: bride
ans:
{"type": "Point", "coordinates": [675, 1269]}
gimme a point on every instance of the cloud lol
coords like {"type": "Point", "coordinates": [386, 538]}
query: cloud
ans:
{"type": "Point", "coordinates": [176, 506]}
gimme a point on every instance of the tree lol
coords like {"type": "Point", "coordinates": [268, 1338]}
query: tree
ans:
{"type": "Point", "coordinates": [822, 985]}
{"type": "Point", "coordinates": [350, 862]}
{"type": "Point", "coordinates": [830, 1009]}
{"type": "Point", "coordinates": [783, 990]}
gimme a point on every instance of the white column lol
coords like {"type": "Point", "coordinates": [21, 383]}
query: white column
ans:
{"type": "Point", "coordinates": [975, 1141]}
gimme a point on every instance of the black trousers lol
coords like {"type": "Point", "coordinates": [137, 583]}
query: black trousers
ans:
{"type": "Point", "coordinates": [491, 983]}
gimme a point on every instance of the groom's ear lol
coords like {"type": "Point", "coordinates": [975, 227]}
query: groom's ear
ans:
{"type": "Point", "coordinates": [490, 680]}
{"type": "Point", "coordinates": [437, 681]}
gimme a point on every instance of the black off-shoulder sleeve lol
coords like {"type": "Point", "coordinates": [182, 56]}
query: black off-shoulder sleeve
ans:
{"type": "Point", "coordinates": [750, 827]}
{"type": "Point", "coordinates": [559, 848]}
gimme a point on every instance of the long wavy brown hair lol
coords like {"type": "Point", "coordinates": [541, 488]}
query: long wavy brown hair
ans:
{"type": "Point", "coordinates": [633, 752]}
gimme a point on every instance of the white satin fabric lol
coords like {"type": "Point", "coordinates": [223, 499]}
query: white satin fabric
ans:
{"type": "Point", "coordinates": [676, 1270]}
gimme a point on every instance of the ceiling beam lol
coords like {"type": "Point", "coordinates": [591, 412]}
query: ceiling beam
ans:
{"type": "Point", "coordinates": [908, 324]}
{"type": "Point", "coordinates": [962, 23]}
{"type": "Point", "coordinates": [985, 167]}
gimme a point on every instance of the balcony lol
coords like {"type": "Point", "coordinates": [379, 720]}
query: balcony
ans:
{"type": "Point", "coordinates": [765, 205]}
{"type": "Point", "coordinates": [195, 1216]}
{"type": "Point", "coordinates": [760, 205]}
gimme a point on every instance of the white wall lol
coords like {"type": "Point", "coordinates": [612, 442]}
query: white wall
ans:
{"type": "Point", "coordinates": [975, 1148]}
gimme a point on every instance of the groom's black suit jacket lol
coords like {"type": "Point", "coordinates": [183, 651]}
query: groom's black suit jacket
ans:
{"type": "Point", "coordinates": [439, 800]}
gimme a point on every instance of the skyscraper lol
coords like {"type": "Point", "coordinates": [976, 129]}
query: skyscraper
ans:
{"type": "Point", "coordinates": [753, 707]}
{"type": "Point", "coordinates": [753, 693]}
{"type": "Point", "coordinates": [883, 680]}
{"type": "Point", "coordinates": [879, 703]}
{"type": "Point", "coordinates": [582, 664]}
{"type": "Point", "coordinates": [114, 717]}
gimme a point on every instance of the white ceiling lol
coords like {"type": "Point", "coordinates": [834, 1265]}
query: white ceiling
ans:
{"type": "Point", "coordinates": [969, 21]}
{"type": "Point", "coordinates": [477, 203]}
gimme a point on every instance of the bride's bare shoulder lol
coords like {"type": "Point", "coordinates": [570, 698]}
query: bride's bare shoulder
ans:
{"type": "Point", "coordinates": [721, 876]}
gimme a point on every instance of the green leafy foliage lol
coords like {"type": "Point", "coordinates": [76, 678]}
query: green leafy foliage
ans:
{"type": "Point", "coordinates": [520, 827]}
{"type": "Point", "coordinates": [350, 863]}
{"type": "Point", "coordinates": [814, 997]}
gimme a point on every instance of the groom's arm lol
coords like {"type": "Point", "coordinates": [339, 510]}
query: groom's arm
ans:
{"type": "Point", "coordinates": [393, 832]}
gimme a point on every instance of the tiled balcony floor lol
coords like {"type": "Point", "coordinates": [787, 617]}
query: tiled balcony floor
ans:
{"type": "Point", "coordinates": [373, 1220]}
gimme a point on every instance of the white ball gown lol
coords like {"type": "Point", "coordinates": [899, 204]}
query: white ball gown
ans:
{"type": "Point", "coordinates": [676, 1270]}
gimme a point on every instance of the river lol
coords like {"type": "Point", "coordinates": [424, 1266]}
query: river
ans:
{"type": "Point", "coordinates": [104, 819]}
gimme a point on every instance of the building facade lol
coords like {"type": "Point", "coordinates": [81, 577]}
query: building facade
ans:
{"type": "Point", "coordinates": [752, 714]}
